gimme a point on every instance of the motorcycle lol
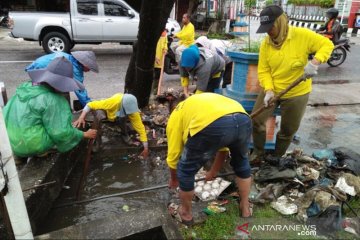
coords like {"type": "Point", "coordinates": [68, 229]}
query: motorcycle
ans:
{"type": "Point", "coordinates": [170, 64]}
{"type": "Point", "coordinates": [338, 55]}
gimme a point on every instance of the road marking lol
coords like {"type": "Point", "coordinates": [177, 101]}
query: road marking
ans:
{"type": "Point", "coordinates": [16, 61]}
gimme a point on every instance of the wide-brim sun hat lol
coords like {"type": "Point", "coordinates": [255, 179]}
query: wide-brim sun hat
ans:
{"type": "Point", "coordinates": [58, 74]}
{"type": "Point", "coordinates": [86, 58]}
{"type": "Point", "coordinates": [129, 105]}
{"type": "Point", "coordinates": [267, 18]}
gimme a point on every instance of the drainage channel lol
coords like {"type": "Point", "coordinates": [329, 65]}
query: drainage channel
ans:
{"type": "Point", "coordinates": [111, 171]}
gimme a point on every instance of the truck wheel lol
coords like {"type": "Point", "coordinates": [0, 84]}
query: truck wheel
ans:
{"type": "Point", "coordinates": [56, 42]}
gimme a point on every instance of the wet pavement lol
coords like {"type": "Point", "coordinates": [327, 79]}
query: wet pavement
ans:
{"type": "Point", "coordinates": [113, 171]}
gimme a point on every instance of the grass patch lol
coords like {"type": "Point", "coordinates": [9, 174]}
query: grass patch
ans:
{"type": "Point", "coordinates": [222, 36]}
{"type": "Point", "coordinates": [224, 225]}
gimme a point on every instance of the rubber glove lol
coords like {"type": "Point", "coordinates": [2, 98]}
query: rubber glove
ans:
{"type": "Point", "coordinates": [310, 69]}
{"type": "Point", "coordinates": [268, 96]}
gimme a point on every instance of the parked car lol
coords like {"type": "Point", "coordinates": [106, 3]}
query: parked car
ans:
{"type": "Point", "coordinates": [90, 22]}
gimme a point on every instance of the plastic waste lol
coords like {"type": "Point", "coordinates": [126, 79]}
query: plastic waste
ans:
{"type": "Point", "coordinates": [284, 206]}
{"type": "Point", "coordinates": [328, 221]}
{"type": "Point", "coordinates": [352, 225]}
{"type": "Point", "coordinates": [343, 186]}
{"type": "Point", "coordinates": [324, 154]}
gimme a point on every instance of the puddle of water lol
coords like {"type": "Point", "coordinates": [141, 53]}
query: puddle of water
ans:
{"type": "Point", "coordinates": [111, 171]}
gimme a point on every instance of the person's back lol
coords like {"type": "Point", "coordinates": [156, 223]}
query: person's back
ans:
{"type": "Point", "coordinates": [38, 117]}
{"type": "Point", "coordinates": [34, 116]}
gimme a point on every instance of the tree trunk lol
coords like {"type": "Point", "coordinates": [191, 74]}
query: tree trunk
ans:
{"type": "Point", "coordinates": [139, 76]}
{"type": "Point", "coordinates": [193, 4]}
{"type": "Point", "coordinates": [130, 79]}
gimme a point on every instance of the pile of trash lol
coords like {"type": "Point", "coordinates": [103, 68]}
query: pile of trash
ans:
{"type": "Point", "coordinates": [155, 118]}
{"type": "Point", "coordinates": [315, 188]}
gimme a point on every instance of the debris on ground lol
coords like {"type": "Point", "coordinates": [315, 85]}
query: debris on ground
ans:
{"type": "Point", "coordinates": [284, 205]}
{"type": "Point", "coordinates": [352, 225]}
{"type": "Point", "coordinates": [209, 190]}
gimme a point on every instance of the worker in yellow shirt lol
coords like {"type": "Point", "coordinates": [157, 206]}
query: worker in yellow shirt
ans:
{"type": "Point", "coordinates": [161, 50]}
{"type": "Point", "coordinates": [197, 128]}
{"type": "Point", "coordinates": [203, 66]}
{"type": "Point", "coordinates": [283, 58]}
{"type": "Point", "coordinates": [119, 106]}
{"type": "Point", "coordinates": [186, 37]}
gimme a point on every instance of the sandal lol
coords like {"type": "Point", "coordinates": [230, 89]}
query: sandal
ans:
{"type": "Point", "coordinates": [251, 207]}
{"type": "Point", "coordinates": [173, 209]}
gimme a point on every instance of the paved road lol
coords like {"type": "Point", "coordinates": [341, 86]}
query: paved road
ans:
{"type": "Point", "coordinates": [113, 61]}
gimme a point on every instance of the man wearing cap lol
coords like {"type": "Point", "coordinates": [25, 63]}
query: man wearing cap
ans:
{"type": "Point", "coordinates": [197, 129]}
{"type": "Point", "coordinates": [186, 37]}
{"type": "Point", "coordinates": [119, 105]}
{"type": "Point", "coordinates": [283, 58]}
{"type": "Point", "coordinates": [82, 61]}
{"type": "Point", "coordinates": [204, 66]}
{"type": "Point", "coordinates": [38, 117]}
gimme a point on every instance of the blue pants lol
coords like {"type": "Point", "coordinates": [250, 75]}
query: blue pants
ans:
{"type": "Point", "coordinates": [232, 131]}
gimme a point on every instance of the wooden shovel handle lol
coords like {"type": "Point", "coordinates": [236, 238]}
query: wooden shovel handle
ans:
{"type": "Point", "coordinates": [161, 74]}
{"type": "Point", "coordinates": [277, 97]}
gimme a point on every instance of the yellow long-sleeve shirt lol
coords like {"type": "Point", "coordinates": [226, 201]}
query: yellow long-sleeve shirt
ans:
{"type": "Point", "coordinates": [193, 115]}
{"type": "Point", "coordinates": [278, 68]}
{"type": "Point", "coordinates": [186, 35]}
{"type": "Point", "coordinates": [161, 47]}
{"type": "Point", "coordinates": [112, 105]}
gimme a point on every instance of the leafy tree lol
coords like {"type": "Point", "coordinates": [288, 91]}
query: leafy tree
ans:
{"type": "Point", "coordinates": [251, 3]}
{"type": "Point", "coordinates": [321, 3]}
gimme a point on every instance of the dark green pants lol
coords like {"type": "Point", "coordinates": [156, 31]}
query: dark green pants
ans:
{"type": "Point", "coordinates": [292, 111]}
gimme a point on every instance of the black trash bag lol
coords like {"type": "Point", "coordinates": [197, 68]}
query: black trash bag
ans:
{"type": "Point", "coordinates": [328, 221]}
{"type": "Point", "coordinates": [288, 162]}
{"type": "Point", "coordinates": [348, 159]}
{"type": "Point", "coordinates": [282, 162]}
{"type": "Point", "coordinates": [271, 173]}
{"type": "Point", "coordinates": [273, 161]}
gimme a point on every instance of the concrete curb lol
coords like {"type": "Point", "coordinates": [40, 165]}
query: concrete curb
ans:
{"type": "Point", "coordinates": [152, 223]}
{"type": "Point", "coordinates": [56, 167]}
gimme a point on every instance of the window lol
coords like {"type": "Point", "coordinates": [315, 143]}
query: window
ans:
{"type": "Point", "coordinates": [52, 6]}
{"type": "Point", "coordinates": [87, 7]}
{"type": "Point", "coordinates": [113, 8]}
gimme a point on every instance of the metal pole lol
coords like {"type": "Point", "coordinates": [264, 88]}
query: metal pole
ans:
{"type": "Point", "coordinates": [14, 198]}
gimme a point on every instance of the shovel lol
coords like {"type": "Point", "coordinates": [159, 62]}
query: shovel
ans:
{"type": "Point", "coordinates": [277, 97]}
{"type": "Point", "coordinates": [161, 74]}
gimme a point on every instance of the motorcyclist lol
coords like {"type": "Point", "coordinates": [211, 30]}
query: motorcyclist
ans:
{"type": "Point", "coordinates": [332, 27]}
{"type": "Point", "coordinates": [186, 37]}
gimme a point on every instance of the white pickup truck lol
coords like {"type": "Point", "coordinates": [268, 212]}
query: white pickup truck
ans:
{"type": "Point", "coordinates": [87, 21]}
